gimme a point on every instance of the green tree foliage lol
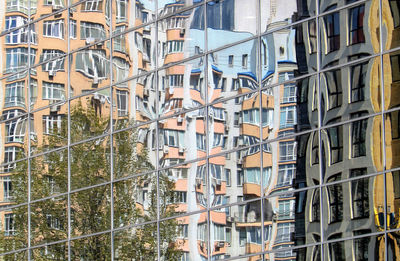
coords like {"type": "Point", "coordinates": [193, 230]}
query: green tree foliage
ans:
{"type": "Point", "coordinates": [90, 165]}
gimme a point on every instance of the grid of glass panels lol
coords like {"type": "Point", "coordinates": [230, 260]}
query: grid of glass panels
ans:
{"type": "Point", "coordinates": [200, 130]}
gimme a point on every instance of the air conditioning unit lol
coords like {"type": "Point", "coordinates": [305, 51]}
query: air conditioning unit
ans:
{"type": "Point", "coordinates": [89, 40]}
{"type": "Point", "coordinates": [181, 149]}
{"type": "Point", "coordinates": [230, 219]}
{"type": "Point", "coordinates": [52, 73]}
{"type": "Point", "coordinates": [99, 44]}
{"type": "Point", "coordinates": [226, 128]}
{"type": "Point", "coordinates": [221, 244]}
{"type": "Point", "coordinates": [146, 92]}
{"type": "Point", "coordinates": [218, 182]}
{"type": "Point", "coordinates": [165, 149]}
{"type": "Point", "coordinates": [55, 108]}
{"type": "Point", "coordinates": [95, 80]}
{"type": "Point", "coordinates": [182, 32]}
{"type": "Point", "coordinates": [180, 119]}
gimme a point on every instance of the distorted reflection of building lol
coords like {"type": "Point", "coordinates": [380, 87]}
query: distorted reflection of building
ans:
{"type": "Point", "coordinates": [264, 134]}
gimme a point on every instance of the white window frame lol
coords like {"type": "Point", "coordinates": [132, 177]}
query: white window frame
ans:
{"type": "Point", "coordinates": [9, 224]}
{"type": "Point", "coordinates": [92, 6]}
{"type": "Point", "coordinates": [121, 71]}
{"type": "Point", "coordinates": [121, 13]}
{"type": "Point", "coordinates": [54, 29]}
{"type": "Point", "coordinates": [55, 3]}
{"type": "Point", "coordinates": [15, 94]}
{"type": "Point", "coordinates": [284, 113]}
{"type": "Point", "coordinates": [73, 30]}
{"type": "Point", "coordinates": [122, 98]}
{"type": "Point", "coordinates": [7, 189]}
{"type": "Point", "coordinates": [52, 123]}
{"type": "Point", "coordinates": [95, 60]}
{"type": "Point", "coordinates": [55, 64]}
{"type": "Point", "coordinates": [53, 91]}
{"type": "Point", "coordinates": [93, 31]}
{"type": "Point", "coordinates": [17, 58]}
{"type": "Point", "coordinates": [287, 151]}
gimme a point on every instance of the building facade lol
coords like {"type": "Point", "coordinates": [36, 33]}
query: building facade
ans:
{"type": "Point", "coordinates": [199, 130]}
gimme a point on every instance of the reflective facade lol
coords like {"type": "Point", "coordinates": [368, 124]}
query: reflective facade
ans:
{"type": "Point", "coordinates": [200, 130]}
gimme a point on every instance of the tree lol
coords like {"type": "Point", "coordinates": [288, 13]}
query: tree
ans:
{"type": "Point", "coordinates": [90, 165]}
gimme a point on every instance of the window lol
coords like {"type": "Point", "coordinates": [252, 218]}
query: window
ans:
{"type": "Point", "coordinates": [179, 197]}
{"type": "Point", "coordinates": [219, 232]}
{"type": "Point", "coordinates": [10, 155]}
{"type": "Point", "coordinates": [315, 149]}
{"type": "Point", "coordinates": [356, 23]}
{"type": "Point", "coordinates": [360, 194]}
{"type": "Point", "coordinates": [92, 63]}
{"type": "Point", "coordinates": [333, 82]}
{"type": "Point", "coordinates": [244, 61]}
{"type": "Point", "coordinates": [201, 141]}
{"type": "Point", "coordinates": [121, 71]}
{"type": "Point", "coordinates": [252, 116]}
{"type": "Point", "coordinates": [120, 41]}
{"type": "Point", "coordinates": [242, 237]}
{"type": "Point", "coordinates": [21, 35]}
{"type": "Point", "coordinates": [121, 10]}
{"type": "Point", "coordinates": [358, 76]}
{"type": "Point", "coordinates": [20, 6]}
{"type": "Point", "coordinates": [122, 102]}
{"type": "Point", "coordinates": [52, 123]}
{"type": "Point", "coordinates": [17, 58]}
{"type": "Point", "coordinates": [288, 117]}
{"type": "Point", "coordinates": [358, 136]}
{"type": "Point", "coordinates": [55, 3]}
{"type": "Point", "coordinates": [54, 65]}
{"type": "Point", "coordinates": [312, 32]}
{"type": "Point", "coordinates": [286, 209]}
{"type": "Point", "coordinates": [395, 64]}
{"type": "Point", "coordinates": [92, 31]}
{"type": "Point", "coordinates": [72, 29]}
{"type": "Point", "coordinates": [92, 5]}
{"type": "Point", "coordinates": [183, 231]}
{"type": "Point", "coordinates": [332, 27]}
{"type": "Point", "coordinates": [7, 187]}
{"type": "Point", "coordinates": [289, 93]}
{"type": "Point", "coordinates": [54, 29]}
{"type": "Point", "coordinates": [335, 193]}
{"type": "Point", "coordinates": [252, 175]}
{"type": "Point", "coordinates": [240, 177]}
{"type": "Point", "coordinates": [335, 135]}
{"type": "Point", "coordinates": [287, 151]}
{"type": "Point", "coordinates": [175, 46]}
{"type": "Point", "coordinates": [54, 222]}
{"type": "Point", "coordinates": [216, 171]}
{"type": "Point", "coordinates": [285, 175]}
{"type": "Point", "coordinates": [174, 138]}
{"type": "Point", "coordinates": [284, 233]}
{"type": "Point", "coordinates": [15, 94]}
{"type": "Point", "coordinates": [254, 235]}
{"type": "Point", "coordinates": [361, 246]}
{"type": "Point", "coordinates": [395, 8]}
{"type": "Point", "coordinates": [336, 249]}
{"type": "Point", "coordinates": [316, 255]}
{"type": "Point", "coordinates": [228, 177]}
{"type": "Point", "coordinates": [315, 206]}
{"type": "Point", "coordinates": [230, 60]}
{"type": "Point", "coordinates": [53, 91]}
{"type": "Point", "coordinates": [394, 118]}
{"type": "Point", "coordinates": [15, 130]}
{"type": "Point", "coordinates": [9, 226]}
{"type": "Point", "coordinates": [175, 80]}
